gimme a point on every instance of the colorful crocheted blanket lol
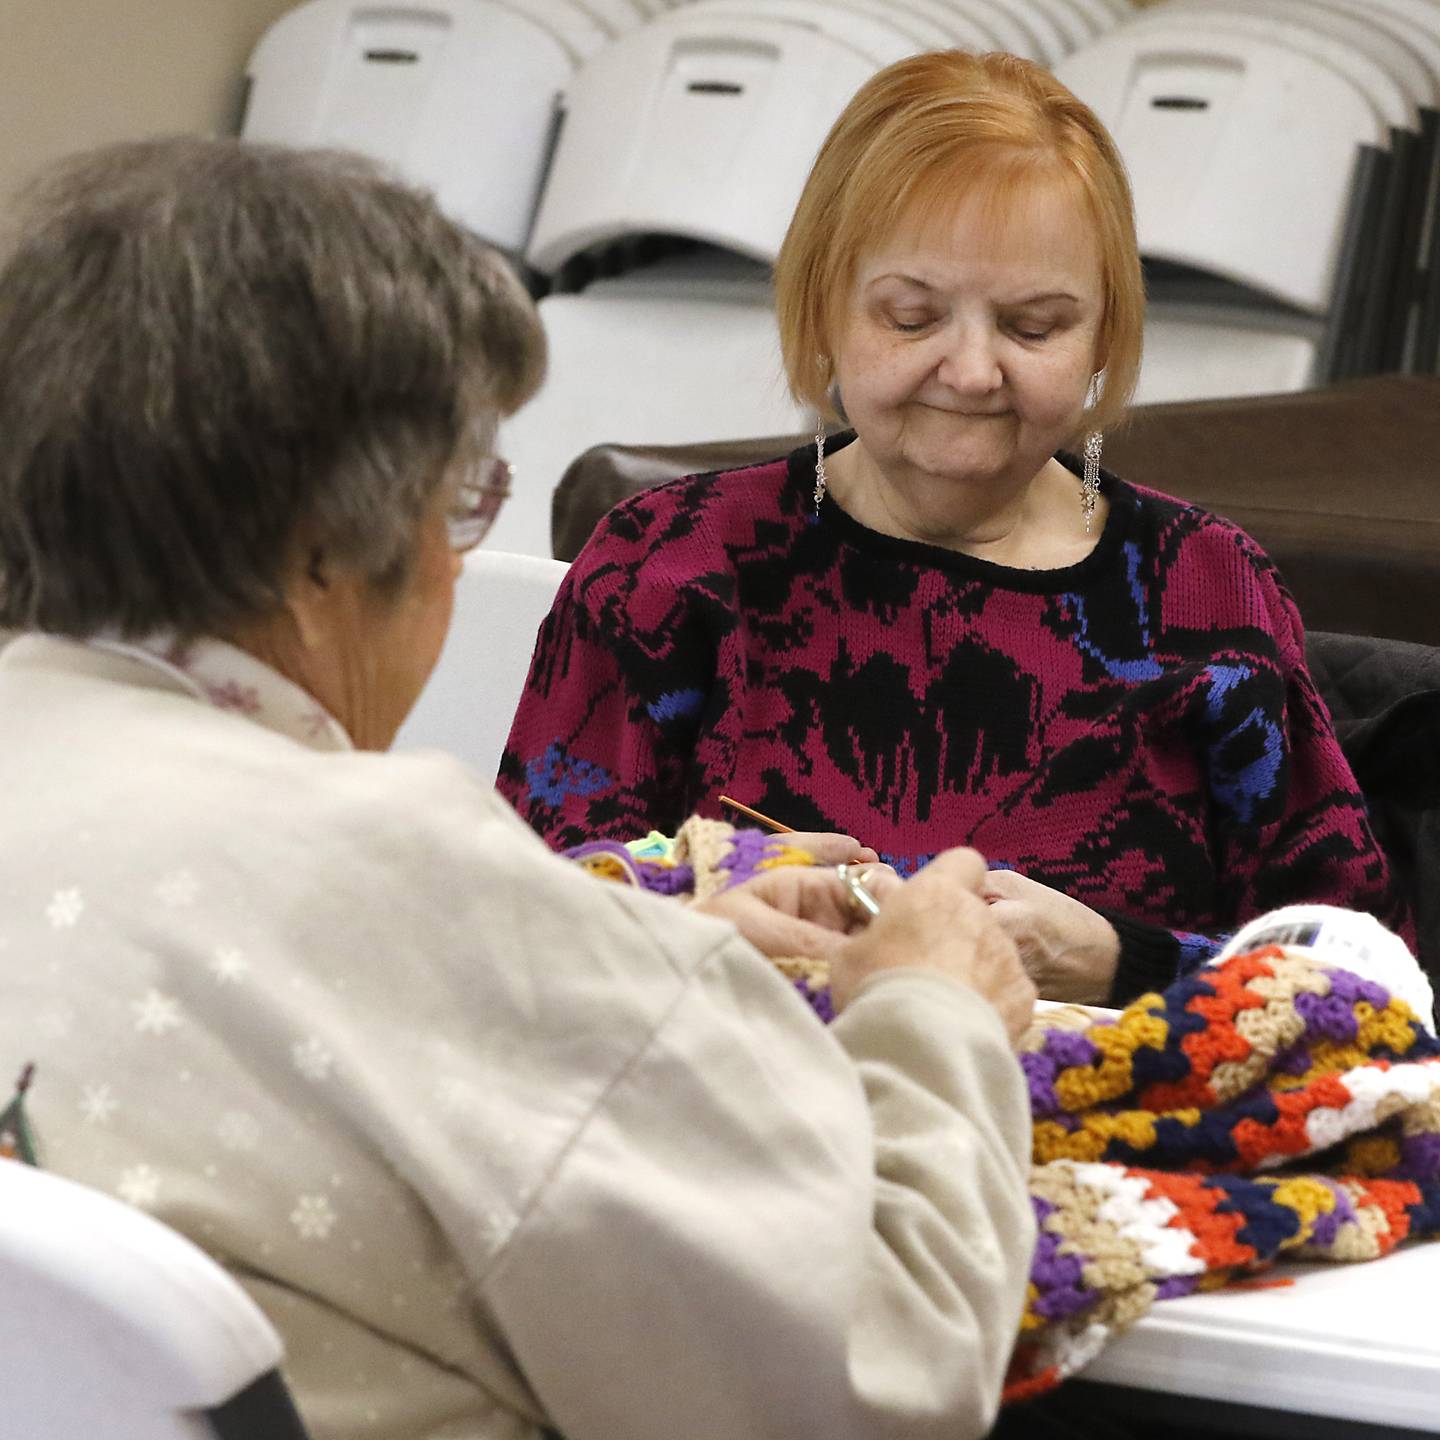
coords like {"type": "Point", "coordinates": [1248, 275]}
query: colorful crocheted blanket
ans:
{"type": "Point", "coordinates": [705, 856]}
{"type": "Point", "coordinates": [1264, 1107]}
{"type": "Point", "coordinates": [1268, 1106]}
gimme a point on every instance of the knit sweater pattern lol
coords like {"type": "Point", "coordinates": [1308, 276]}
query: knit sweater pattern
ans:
{"type": "Point", "coordinates": [1137, 730]}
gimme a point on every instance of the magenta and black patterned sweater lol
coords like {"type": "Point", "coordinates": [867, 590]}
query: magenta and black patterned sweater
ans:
{"type": "Point", "coordinates": [1137, 730]}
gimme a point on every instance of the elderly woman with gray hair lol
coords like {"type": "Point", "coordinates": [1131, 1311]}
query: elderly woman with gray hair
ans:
{"type": "Point", "coordinates": [500, 1148]}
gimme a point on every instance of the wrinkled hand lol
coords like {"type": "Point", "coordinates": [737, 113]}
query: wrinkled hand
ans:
{"type": "Point", "coordinates": [828, 848]}
{"type": "Point", "coordinates": [1069, 951]}
{"type": "Point", "coordinates": [938, 921]}
{"type": "Point", "coordinates": [796, 910]}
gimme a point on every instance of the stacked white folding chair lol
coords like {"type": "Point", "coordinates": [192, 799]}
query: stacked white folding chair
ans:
{"type": "Point", "coordinates": [1308, 129]}
{"type": "Point", "coordinates": [1412, 338]}
{"type": "Point", "coordinates": [1040, 30]}
{"type": "Point", "coordinates": [1395, 79]}
{"type": "Point", "coordinates": [1260, 196]}
{"type": "Point", "coordinates": [468, 706]}
{"type": "Point", "coordinates": [704, 124]}
{"type": "Point", "coordinates": [456, 95]}
{"type": "Point", "coordinates": [1011, 26]}
{"type": "Point", "coordinates": [115, 1326]}
{"type": "Point", "coordinates": [1059, 27]}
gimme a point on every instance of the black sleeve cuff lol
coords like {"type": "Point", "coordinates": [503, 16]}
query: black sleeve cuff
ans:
{"type": "Point", "coordinates": [1149, 958]}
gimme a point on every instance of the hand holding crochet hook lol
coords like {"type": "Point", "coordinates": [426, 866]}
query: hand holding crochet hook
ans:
{"type": "Point", "coordinates": [1069, 950]}
{"type": "Point", "coordinates": [938, 921]}
{"type": "Point", "coordinates": [865, 920]}
{"type": "Point", "coordinates": [801, 912]}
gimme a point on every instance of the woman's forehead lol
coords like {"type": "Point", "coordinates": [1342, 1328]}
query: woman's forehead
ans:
{"type": "Point", "coordinates": [1040, 233]}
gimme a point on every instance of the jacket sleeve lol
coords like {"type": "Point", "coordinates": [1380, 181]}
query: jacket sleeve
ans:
{"type": "Point", "coordinates": [833, 1241]}
{"type": "Point", "coordinates": [606, 726]}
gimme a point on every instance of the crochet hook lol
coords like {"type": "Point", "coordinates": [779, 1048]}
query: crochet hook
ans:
{"type": "Point", "coordinates": [774, 825]}
{"type": "Point", "coordinates": [851, 876]}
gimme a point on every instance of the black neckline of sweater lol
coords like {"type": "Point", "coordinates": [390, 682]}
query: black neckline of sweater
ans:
{"type": "Point", "coordinates": [800, 466]}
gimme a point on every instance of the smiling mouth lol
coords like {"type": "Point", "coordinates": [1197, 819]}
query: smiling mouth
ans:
{"type": "Point", "coordinates": [969, 414]}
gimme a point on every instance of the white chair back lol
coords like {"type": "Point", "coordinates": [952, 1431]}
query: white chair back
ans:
{"type": "Point", "coordinates": [1010, 26]}
{"type": "Point", "coordinates": [1040, 19]}
{"type": "Point", "coordinates": [1197, 350]}
{"type": "Point", "coordinates": [704, 123]}
{"type": "Point", "coordinates": [114, 1325]}
{"type": "Point", "coordinates": [1225, 181]}
{"type": "Point", "coordinates": [468, 706]}
{"type": "Point", "coordinates": [654, 357]}
{"type": "Point", "coordinates": [421, 88]}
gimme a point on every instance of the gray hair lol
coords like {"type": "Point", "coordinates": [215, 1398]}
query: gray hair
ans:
{"type": "Point", "coordinates": [205, 346]}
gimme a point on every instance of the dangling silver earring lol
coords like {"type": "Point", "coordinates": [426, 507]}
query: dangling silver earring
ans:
{"type": "Point", "coordinates": [822, 363]}
{"type": "Point", "coordinates": [1094, 444]}
{"type": "Point", "coordinates": [819, 463]}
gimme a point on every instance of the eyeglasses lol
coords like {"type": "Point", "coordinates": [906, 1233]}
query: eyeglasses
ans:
{"type": "Point", "coordinates": [477, 502]}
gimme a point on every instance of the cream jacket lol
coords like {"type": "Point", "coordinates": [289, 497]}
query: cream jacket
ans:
{"type": "Point", "coordinates": [497, 1146]}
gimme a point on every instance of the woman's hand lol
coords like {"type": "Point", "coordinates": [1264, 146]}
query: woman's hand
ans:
{"type": "Point", "coordinates": [1069, 951]}
{"type": "Point", "coordinates": [796, 910]}
{"type": "Point", "coordinates": [938, 921]}
{"type": "Point", "coordinates": [828, 848]}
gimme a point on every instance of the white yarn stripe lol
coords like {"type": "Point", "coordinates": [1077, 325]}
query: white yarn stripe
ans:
{"type": "Point", "coordinates": [1368, 1086]}
{"type": "Point", "coordinates": [1142, 1218]}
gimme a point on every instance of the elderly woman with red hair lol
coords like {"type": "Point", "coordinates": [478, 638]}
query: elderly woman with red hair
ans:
{"type": "Point", "coordinates": [947, 624]}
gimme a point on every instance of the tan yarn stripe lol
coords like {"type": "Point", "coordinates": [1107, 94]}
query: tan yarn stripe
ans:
{"type": "Point", "coordinates": [1113, 1262]}
{"type": "Point", "coordinates": [1423, 1118]}
{"type": "Point", "coordinates": [703, 844]}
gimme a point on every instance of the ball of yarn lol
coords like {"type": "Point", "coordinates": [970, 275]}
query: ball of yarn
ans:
{"type": "Point", "coordinates": [1348, 940]}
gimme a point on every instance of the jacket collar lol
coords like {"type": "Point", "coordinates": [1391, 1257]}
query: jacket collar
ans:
{"type": "Point", "coordinates": [216, 672]}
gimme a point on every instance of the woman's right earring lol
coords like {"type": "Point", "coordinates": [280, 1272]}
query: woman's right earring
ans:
{"type": "Point", "coordinates": [819, 465]}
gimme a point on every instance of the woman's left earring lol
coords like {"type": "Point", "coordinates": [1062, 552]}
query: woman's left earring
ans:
{"type": "Point", "coordinates": [1094, 444]}
{"type": "Point", "coordinates": [1090, 480]}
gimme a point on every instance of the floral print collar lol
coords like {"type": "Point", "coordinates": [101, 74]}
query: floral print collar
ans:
{"type": "Point", "coordinates": [232, 679]}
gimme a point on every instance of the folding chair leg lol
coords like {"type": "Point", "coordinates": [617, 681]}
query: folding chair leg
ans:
{"type": "Point", "coordinates": [263, 1410]}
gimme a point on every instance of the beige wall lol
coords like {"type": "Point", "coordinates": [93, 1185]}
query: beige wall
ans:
{"type": "Point", "coordinates": [74, 73]}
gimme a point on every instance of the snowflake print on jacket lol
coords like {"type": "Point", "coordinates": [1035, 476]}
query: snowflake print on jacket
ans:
{"type": "Point", "coordinates": [1137, 730]}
